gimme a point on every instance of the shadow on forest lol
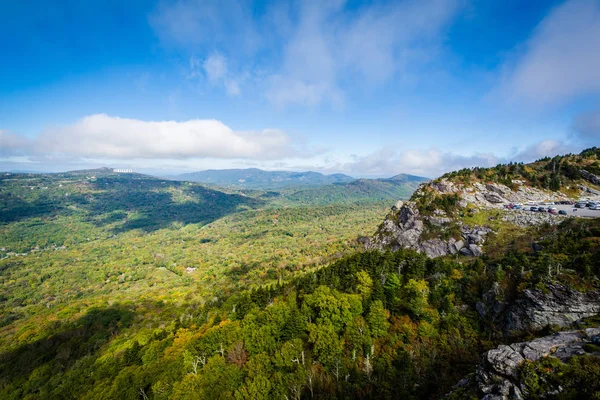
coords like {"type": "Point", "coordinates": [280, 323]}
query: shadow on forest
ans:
{"type": "Point", "coordinates": [69, 343]}
{"type": "Point", "coordinates": [153, 206]}
{"type": "Point", "coordinates": [133, 203]}
{"type": "Point", "coordinates": [13, 209]}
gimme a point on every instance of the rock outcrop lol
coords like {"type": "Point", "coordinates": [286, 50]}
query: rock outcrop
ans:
{"type": "Point", "coordinates": [534, 309]}
{"type": "Point", "coordinates": [497, 376]}
{"type": "Point", "coordinates": [586, 189]}
{"type": "Point", "coordinates": [527, 218]}
{"type": "Point", "coordinates": [404, 227]}
{"type": "Point", "coordinates": [494, 194]}
{"type": "Point", "coordinates": [556, 305]}
{"type": "Point", "coordinates": [590, 177]}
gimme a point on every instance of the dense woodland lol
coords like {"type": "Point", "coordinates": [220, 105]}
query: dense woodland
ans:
{"type": "Point", "coordinates": [557, 173]}
{"type": "Point", "coordinates": [176, 291]}
{"type": "Point", "coordinates": [371, 325]}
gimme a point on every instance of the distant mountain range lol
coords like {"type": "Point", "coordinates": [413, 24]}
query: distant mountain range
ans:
{"type": "Point", "coordinates": [254, 178]}
{"type": "Point", "coordinates": [398, 187]}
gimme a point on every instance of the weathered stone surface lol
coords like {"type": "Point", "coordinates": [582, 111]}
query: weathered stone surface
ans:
{"type": "Point", "coordinates": [398, 205]}
{"type": "Point", "coordinates": [497, 375]}
{"type": "Point", "coordinates": [435, 248]}
{"type": "Point", "coordinates": [476, 250]}
{"type": "Point", "coordinates": [475, 238]}
{"type": "Point", "coordinates": [586, 189]}
{"type": "Point", "coordinates": [404, 226]}
{"type": "Point", "coordinates": [527, 218]}
{"type": "Point", "coordinates": [557, 305]}
{"type": "Point", "coordinates": [465, 251]}
{"type": "Point", "coordinates": [590, 177]}
{"type": "Point", "coordinates": [494, 198]}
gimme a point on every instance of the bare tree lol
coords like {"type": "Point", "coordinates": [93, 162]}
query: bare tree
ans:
{"type": "Point", "coordinates": [237, 355]}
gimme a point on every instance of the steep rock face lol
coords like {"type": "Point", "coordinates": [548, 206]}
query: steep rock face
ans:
{"type": "Point", "coordinates": [557, 305]}
{"type": "Point", "coordinates": [535, 309]}
{"type": "Point", "coordinates": [404, 226]}
{"type": "Point", "coordinates": [497, 376]}
{"type": "Point", "coordinates": [590, 177]}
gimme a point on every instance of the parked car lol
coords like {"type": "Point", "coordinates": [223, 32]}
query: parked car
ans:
{"type": "Point", "coordinates": [562, 212]}
{"type": "Point", "coordinates": [580, 205]}
{"type": "Point", "coordinates": [533, 208]}
{"type": "Point", "coordinates": [541, 209]}
{"type": "Point", "coordinates": [552, 210]}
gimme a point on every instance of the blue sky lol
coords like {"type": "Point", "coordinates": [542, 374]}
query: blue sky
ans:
{"type": "Point", "coordinates": [368, 88]}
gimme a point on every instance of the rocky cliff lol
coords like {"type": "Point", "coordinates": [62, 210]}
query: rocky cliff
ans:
{"type": "Point", "coordinates": [498, 375]}
{"type": "Point", "coordinates": [554, 305]}
{"type": "Point", "coordinates": [438, 233]}
{"type": "Point", "coordinates": [431, 222]}
{"type": "Point", "coordinates": [404, 227]}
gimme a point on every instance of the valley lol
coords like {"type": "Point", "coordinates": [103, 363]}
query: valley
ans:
{"type": "Point", "coordinates": [185, 291]}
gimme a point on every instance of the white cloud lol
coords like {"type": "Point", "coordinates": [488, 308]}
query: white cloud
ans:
{"type": "Point", "coordinates": [387, 162]}
{"type": "Point", "coordinates": [286, 90]}
{"type": "Point", "coordinates": [11, 144]}
{"type": "Point", "coordinates": [561, 61]}
{"type": "Point", "coordinates": [433, 162]}
{"type": "Point", "coordinates": [306, 52]}
{"type": "Point", "coordinates": [232, 87]}
{"type": "Point", "coordinates": [195, 24]}
{"type": "Point", "coordinates": [544, 148]}
{"type": "Point", "coordinates": [331, 45]}
{"type": "Point", "coordinates": [103, 136]}
{"type": "Point", "coordinates": [215, 67]}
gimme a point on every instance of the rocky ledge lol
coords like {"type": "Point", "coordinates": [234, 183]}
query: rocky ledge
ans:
{"type": "Point", "coordinates": [495, 194]}
{"type": "Point", "coordinates": [497, 376]}
{"type": "Point", "coordinates": [535, 309]}
{"type": "Point", "coordinates": [528, 218]}
{"type": "Point", "coordinates": [404, 227]}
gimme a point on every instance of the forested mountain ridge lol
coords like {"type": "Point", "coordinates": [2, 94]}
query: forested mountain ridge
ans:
{"type": "Point", "coordinates": [111, 202]}
{"type": "Point", "coordinates": [254, 178]}
{"type": "Point", "coordinates": [357, 190]}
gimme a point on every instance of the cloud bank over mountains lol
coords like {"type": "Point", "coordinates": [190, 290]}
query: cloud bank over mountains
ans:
{"type": "Point", "coordinates": [103, 136]}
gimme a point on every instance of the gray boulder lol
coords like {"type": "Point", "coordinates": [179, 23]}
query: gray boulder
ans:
{"type": "Point", "coordinates": [494, 198]}
{"type": "Point", "coordinates": [476, 250]}
{"type": "Point", "coordinates": [557, 305]}
{"type": "Point", "coordinates": [465, 251]}
{"type": "Point", "coordinates": [497, 375]}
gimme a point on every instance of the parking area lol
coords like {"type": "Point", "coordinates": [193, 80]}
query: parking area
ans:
{"type": "Point", "coordinates": [570, 209]}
